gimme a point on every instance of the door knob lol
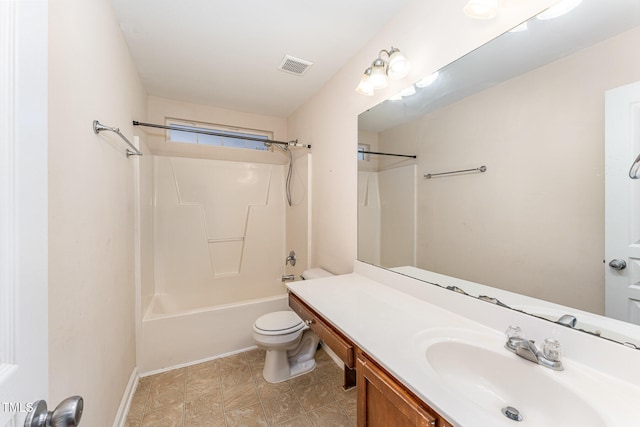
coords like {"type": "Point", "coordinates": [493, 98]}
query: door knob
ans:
{"type": "Point", "coordinates": [66, 414]}
{"type": "Point", "coordinates": [618, 264]}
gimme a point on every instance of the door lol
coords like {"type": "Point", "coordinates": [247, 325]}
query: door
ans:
{"type": "Point", "coordinates": [622, 204]}
{"type": "Point", "coordinates": [23, 207]}
{"type": "Point", "coordinates": [381, 401]}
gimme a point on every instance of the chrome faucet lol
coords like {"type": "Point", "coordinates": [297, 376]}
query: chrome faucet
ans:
{"type": "Point", "coordinates": [568, 320]}
{"type": "Point", "coordinates": [291, 259]}
{"type": "Point", "coordinates": [288, 277]}
{"type": "Point", "coordinates": [549, 357]}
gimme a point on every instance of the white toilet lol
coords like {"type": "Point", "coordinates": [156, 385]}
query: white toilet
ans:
{"type": "Point", "coordinates": [290, 344]}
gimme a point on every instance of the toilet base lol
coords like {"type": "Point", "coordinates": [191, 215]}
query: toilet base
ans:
{"type": "Point", "coordinates": [302, 368]}
{"type": "Point", "coordinates": [282, 365]}
{"type": "Point", "coordinates": [275, 371]}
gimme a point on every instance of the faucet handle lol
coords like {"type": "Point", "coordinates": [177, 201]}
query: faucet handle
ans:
{"type": "Point", "coordinates": [552, 349]}
{"type": "Point", "coordinates": [514, 332]}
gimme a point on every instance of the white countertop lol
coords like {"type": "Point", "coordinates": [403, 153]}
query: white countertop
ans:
{"type": "Point", "coordinates": [386, 322]}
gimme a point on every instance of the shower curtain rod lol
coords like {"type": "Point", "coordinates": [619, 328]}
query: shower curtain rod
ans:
{"type": "Point", "coordinates": [293, 143]}
{"type": "Point", "coordinates": [387, 154]}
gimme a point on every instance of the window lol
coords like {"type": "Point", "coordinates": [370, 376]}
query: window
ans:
{"type": "Point", "coordinates": [361, 152]}
{"type": "Point", "coordinates": [221, 136]}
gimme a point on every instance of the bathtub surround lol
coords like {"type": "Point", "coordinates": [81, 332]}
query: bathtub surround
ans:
{"type": "Point", "coordinates": [219, 247]}
{"type": "Point", "coordinates": [219, 226]}
{"type": "Point", "coordinates": [387, 217]}
{"type": "Point", "coordinates": [180, 338]}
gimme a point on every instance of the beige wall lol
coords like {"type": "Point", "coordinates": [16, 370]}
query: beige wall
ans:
{"type": "Point", "coordinates": [431, 34]}
{"type": "Point", "coordinates": [91, 208]}
{"type": "Point", "coordinates": [534, 223]}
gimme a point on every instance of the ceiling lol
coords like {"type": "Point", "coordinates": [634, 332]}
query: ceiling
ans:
{"type": "Point", "coordinates": [226, 53]}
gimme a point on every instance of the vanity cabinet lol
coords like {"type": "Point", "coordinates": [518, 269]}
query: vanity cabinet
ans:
{"type": "Point", "coordinates": [330, 335]}
{"type": "Point", "coordinates": [382, 401]}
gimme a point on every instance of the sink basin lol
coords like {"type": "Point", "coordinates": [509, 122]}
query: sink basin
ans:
{"type": "Point", "coordinates": [489, 377]}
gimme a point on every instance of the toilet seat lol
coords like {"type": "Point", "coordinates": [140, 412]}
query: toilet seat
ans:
{"type": "Point", "coordinates": [278, 323]}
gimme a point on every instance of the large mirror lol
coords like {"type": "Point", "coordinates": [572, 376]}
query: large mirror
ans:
{"type": "Point", "coordinates": [534, 109]}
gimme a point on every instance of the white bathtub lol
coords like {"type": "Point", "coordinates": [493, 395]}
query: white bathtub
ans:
{"type": "Point", "coordinates": [182, 329]}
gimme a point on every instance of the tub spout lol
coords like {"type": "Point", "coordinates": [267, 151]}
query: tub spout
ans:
{"type": "Point", "coordinates": [288, 277]}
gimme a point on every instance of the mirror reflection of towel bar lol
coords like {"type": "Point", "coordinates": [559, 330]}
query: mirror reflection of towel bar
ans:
{"type": "Point", "coordinates": [480, 169]}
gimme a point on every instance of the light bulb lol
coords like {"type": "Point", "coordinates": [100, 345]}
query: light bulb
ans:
{"type": "Point", "coordinates": [378, 76]}
{"type": "Point", "coordinates": [365, 87]}
{"type": "Point", "coordinates": [398, 65]}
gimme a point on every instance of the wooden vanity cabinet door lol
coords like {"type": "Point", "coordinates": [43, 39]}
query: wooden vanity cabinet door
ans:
{"type": "Point", "coordinates": [382, 402]}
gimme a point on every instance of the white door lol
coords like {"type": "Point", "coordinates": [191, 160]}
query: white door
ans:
{"type": "Point", "coordinates": [622, 204]}
{"type": "Point", "coordinates": [23, 207]}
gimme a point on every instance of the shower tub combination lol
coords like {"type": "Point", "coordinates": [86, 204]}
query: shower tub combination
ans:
{"type": "Point", "coordinates": [219, 247]}
{"type": "Point", "coordinates": [177, 330]}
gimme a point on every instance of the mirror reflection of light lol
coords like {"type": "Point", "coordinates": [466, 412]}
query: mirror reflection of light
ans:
{"type": "Point", "coordinates": [411, 90]}
{"type": "Point", "coordinates": [559, 9]}
{"type": "Point", "coordinates": [428, 80]}
{"type": "Point", "coordinates": [481, 9]}
{"type": "Point", "coordinates": [519, 28]}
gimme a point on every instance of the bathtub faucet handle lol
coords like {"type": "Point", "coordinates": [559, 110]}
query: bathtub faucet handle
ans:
{"type": "Point", "coordinates": [291, 259]}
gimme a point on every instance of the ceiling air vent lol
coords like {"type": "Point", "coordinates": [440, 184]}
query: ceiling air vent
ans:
{"type": "Point", "coordinates": [293, 65]}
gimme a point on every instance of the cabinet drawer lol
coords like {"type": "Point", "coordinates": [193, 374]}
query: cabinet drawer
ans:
{"type": "Point", "coordinates": [327, 333]}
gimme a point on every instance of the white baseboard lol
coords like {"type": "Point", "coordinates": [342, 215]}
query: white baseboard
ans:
{"type": "Point", "coordinates": [332, 355]}
{"type": "Point", "coordinates": [125, 403]}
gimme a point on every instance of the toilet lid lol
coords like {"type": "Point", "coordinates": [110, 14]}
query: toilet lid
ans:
{"type": "Point", "coordinates": [279, 322]}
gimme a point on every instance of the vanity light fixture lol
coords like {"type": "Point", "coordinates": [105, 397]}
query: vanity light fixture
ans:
{"type": "Point", "coordinates": [365, 87]}
{"type": "Point", "coordinates": [559, 9]}
{"type": "Point", "coordinates": [481, 9]}
{"type": "Point", "coordinates": [377, 76]}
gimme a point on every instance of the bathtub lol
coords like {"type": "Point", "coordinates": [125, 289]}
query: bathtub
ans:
{"type": "Point", "coordinates": [178, 330]}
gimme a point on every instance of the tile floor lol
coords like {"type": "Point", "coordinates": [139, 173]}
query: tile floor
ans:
{"type": "Point", "coordinates": [231, 392]}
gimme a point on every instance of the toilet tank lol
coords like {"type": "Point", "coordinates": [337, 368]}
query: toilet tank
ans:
{"type": "Point", "coordinates": [315, 273]}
